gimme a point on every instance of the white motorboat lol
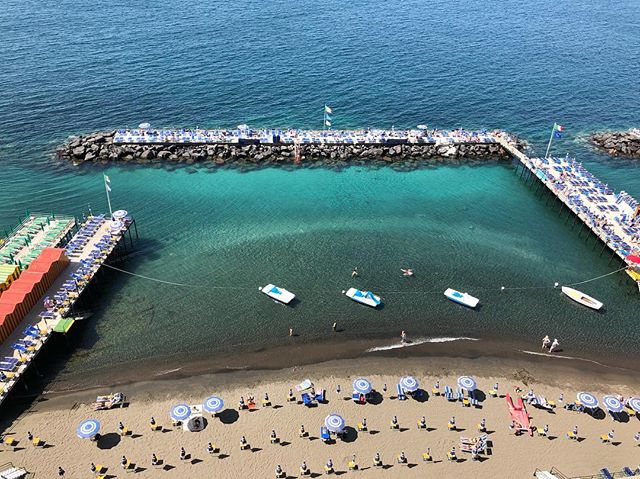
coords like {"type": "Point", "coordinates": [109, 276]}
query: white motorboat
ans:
{"type": "Point", "coordinates": [278, 294]}
{"type": "Point", "coordinates": [464, 299]}
{"type": "Point", "coordinates": [583, 299]}
{"type": "Point", "coordinates": [363, 297]}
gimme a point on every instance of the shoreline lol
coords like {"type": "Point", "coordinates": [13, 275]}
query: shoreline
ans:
{"type": "Point", "coordinates": [266, 361]}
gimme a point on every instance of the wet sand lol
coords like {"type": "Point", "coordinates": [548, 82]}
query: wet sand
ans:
{"type": "Point", "coordinates": [299, 351]}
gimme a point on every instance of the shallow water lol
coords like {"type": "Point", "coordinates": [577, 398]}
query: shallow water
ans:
{"type": "Point", "coordinates": [75, 66]}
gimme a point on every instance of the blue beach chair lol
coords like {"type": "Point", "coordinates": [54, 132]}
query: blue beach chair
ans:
{"type": "Point", "coordinates": [306, 400]}
{"type": "Point", "coordinates": [400, 391]}
{"type": "Point", "coordinates": [606, 474]}
{"type": "Point", "coordinates": [628, 471]}
{"type": "Point", "coordinates": [448, 394]}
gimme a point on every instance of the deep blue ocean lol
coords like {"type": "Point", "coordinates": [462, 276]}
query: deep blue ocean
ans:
{"type": "Point", "coordinates": [71, 66]}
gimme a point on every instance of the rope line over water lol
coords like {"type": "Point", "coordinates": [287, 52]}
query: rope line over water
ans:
{"type": "Point", "coordinates": [382, 291]}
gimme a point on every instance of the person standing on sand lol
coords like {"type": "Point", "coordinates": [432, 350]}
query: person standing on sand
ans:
{"type": "Point", "coordinates": [403, 337]}
{"type": "Point", "coordinates": [290, 332]}
{"type": "Point", "coordinates": [334, 326]}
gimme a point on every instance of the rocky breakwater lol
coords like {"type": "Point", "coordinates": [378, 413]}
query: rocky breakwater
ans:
{"type": "Point", "coordinates": [618, 143]}
{"type": "Point", "coordinates": [100, 148]}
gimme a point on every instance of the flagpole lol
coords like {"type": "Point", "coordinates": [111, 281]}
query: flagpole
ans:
{"type": "Point", "coordinates": [106, 189]}
{"type": "Point", "coordinates": [553, 130]}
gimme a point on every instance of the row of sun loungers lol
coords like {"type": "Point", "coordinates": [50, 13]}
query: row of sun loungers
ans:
{"type": "Point", "coordinates": [31, 237]}
{"type": "Point", "coordinates": [608, 214]}
{"type": "Point", "coordinates": [274, 136]}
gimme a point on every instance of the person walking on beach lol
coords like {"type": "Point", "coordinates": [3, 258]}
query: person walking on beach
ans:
{"type": "Point", "coordinates": [545, 342]}
{"type": "Point", "coordinates": [290, 332]}
{"type": "Point", "coordinates": [60, 471]}
{"type": "Point", "coordinates": [555, 345]}
{"type": "Point", "coordinates": [334, 327]}
{"type": "Point", "coordinates": [403, 337]}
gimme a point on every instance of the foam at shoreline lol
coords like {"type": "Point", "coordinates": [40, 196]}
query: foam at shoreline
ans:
{"type": "Point", "coordinates": [419, 341]}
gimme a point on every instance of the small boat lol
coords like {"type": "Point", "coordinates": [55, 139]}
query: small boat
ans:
{"type": "Point", "coordinates": [363, 297]}
{"type": "Point", "coordinates": [583, 299]}
{"type": "Point", "coordinates": [461, 298]}
{"type": "Point", "coordinates": [278, 294]}
{"type": "Point", "coordinates": [406, 271]}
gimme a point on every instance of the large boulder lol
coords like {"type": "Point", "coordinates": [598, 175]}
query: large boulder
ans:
{"type": "Point", "coordinates": [78, 151]}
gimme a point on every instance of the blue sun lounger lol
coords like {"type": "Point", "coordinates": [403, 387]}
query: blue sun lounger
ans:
{"type": "Point", "coordinates": [321, 396]}
{"type": "Point", "coordinates": [400, 391]}
{"type": "Point", "coordinates": [629, 472]}
{"type": "Point", "coordinates": [448, 394]}
{"type": "Point", "coordinates": [306, 399]}
{"type": "Point", "coordinates": [606, 474]}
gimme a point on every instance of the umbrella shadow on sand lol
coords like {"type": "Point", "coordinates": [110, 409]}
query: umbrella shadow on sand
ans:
{"type": "Point", "coordinates": [108, 441]}
{"type": "Point", "coordinates": [228, 416]}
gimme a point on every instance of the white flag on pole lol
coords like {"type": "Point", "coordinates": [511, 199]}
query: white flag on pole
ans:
{"type": "Point", "coordinates": [108, 188]}
{"type": "Point", "coordinates": [106, 178]}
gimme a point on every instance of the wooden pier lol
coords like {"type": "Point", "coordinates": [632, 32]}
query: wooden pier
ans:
{"type": "Point", "coordinates": [612, 217]}
{"type": "Point", "coordinates": [98, 240]}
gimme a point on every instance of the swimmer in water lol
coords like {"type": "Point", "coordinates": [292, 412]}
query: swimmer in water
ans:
{"type": "Point", "coordinates": [354, 273]}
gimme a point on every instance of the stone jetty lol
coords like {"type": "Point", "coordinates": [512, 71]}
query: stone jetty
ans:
{"type": "Point", "coordinates": [105, 147]}
{"type": "Point", "coordinates": [618, 143]}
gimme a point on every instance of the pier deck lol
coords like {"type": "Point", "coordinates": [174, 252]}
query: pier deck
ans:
{"type": "Point", "coordinates": [31, 236]}
{"type": "Point", "coordinates": [612, 217]}
{"type": "Point", "coordinates": [295, 136]}
{"type": "Point", "coordinates": [88, 250]}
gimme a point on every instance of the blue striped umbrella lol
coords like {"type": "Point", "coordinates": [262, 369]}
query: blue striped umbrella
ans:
{"type": "Point", "coordinates": [334, 422]}
{"type": "Point", "coordinates": [88, 428]}
{"type": "Point", "coordinates": [180, 412]}
{"type": "Point", "coordinates": [634, 403]}
{"type": "Point", "coordinates": [409, 383]}
{"type": "Point", "coordinates": [362, 386]}
{"type": "Point", "coordinates": [612, 403]}
{"type": "Point", "coordinates": [467, 382]}
{"type": "Point", "coordinates": [588, 400]}
{"type": "Point", "coordinates": [213, 404]}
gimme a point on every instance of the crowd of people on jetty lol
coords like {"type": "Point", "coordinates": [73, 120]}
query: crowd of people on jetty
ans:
{"type": "Point", "coordinates": [244, 133]}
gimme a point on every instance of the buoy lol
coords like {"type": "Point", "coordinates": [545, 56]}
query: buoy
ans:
{"type": "Point", "coordinates": [343, 291]}
{"type": "Point", "coordinates": [502, 288]}
{"type": "Point", "coordinates": [556, 284]}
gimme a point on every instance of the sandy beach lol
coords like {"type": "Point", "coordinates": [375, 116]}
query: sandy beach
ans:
{"type": "Point", "coordinates": [54, 418]}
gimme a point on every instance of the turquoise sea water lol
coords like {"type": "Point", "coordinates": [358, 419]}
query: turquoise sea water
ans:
{"type": "Point", "coordinates": [74, 66]}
